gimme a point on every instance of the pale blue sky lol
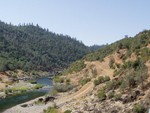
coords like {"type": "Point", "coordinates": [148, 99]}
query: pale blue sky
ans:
{"type": "Point", "coordinates": [92, 21]}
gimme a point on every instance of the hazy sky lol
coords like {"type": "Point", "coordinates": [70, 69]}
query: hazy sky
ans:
{"type": "Point", "coordinates": [92, 21]}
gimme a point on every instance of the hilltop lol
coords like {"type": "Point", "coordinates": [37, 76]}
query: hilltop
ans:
{"type": "Point", "coordinates": [29, 47]}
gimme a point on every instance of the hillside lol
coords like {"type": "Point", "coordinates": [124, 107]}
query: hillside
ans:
{"type": "Point", "coordinates": [29, 47]}
{"type": "Point", "coordinates": [114, 79]}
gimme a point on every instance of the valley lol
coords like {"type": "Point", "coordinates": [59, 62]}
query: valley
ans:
{"type": "Point", "coordinates": [112, 79]}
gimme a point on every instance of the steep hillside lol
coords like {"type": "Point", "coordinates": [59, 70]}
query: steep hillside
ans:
{"type": "Point", "coordinates": [115, 79]}
{"type": "Point", "coordinates": [29, 47]}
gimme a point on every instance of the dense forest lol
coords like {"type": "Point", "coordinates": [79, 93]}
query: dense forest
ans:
{"type": "Point", "coordinates": [29, 47]}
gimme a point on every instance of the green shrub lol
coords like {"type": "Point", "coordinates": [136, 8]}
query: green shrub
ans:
{"type": "Point", "coordinates": [83, 81]}
{"type": "Point", "coordinates": [111, 63]}
{"type": "Point", "coordinates": [7, 91]}
{"type": "Point", "coordinates": [106, 78]}
{"type": "Point", "coordinates": [53, 92]}
{"type": "Point", "coordinates": [109, 86]}
{"type": "Point", "coordinates": [117, 96]}
{"type": "Point", "coordinates": [76, 67]}
{"type": "Point", "coordinates": [139, 108]}
{"type": "Point", "coordinates": [111, 95]}
{"type": "Point", "coordinates": [51, 110]}
{"type": "Point", "coordinates": [112, 85]}
{"type": "Point", "coordinates": [68, 80]}
{"type": "Point", "coordinates": [63, 87]}
{"type": "Point", "coordinates": [68, 111]}
{"type": "Point", "coordinates": [96, 82]}
{"type": "Point", "coordinates": [33, 81]}
{"type": "Point", "coordinates": [58, 79]}
{"type": "Point", "coordinates": [38, 86]}
{"type": "Point", "coordinates": [101, 79]}
{"type": "Point", "coordinates": [101, 94]}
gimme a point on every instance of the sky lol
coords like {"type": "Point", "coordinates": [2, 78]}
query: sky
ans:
{"type": "Point", "coordinates": [90, 21]}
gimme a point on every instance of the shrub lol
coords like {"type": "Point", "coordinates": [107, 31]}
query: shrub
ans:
{"type": "Point", "coordinates": [123, 85]}
{"type": "Point", "coordinates": [76, 67]}
{"type": "Point", "coordinates": [111, 94]}
{"type": "Point", "coordinates": [68, 80]}
{"type": "Point", "coordinates": [33, 81]}
{"type": "Point", "coordinates": [94, 72]}
{"type": "Point", "coordinates": [101, 94]}
{"type": "Point", "coordinates": [53, 92]}
{"type": "Point", "coordinates": [111, 62]}
{"type": "Point", "coordinates": [96, 82]}
{"type": "Point", "coordinates": [51, 110]}
{"type": "Point", "coordinates": [101, 79]}
{"type": "Point", "coordinates": [139, 108]}
{"type": "Point", "coordinates": [117, 96]}
{"type": "Point", "coordinates": [68, 111]}
{"type": "Point", "coordinates": [38, 86]}
{"type": "Point", "coordinates": [111, 85]}
{"type": "Point", "coordinates": [58, 79]}
{"type": "Point", "coordinates": [7, 91]}
{"type": "Point", "coordinates": [63, 87]}
{"type": "Point", "coordinates": [106, 78]}
{"type": "Point", "coordinates": [84, 81]}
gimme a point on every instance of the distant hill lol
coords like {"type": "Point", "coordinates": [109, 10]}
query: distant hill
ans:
{"type": "Point", "coordinates": [30, 47]}
{"type": "Point", "coordinates": [95, 47]}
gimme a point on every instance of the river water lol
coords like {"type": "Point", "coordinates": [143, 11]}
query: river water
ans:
{"type": "Point", "coordinates": [24, 97]}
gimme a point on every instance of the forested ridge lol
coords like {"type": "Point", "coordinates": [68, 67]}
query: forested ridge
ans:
{"type": "Point", "coordinates": [29, 47]}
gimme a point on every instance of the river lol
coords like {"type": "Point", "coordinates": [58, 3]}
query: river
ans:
{"type": "Point", "coordinates": [24, 97]}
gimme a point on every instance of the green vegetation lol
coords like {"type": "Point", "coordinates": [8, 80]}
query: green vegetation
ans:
{"type": "Point", "coordinates": [132, 44]}
{"type": "Point", "coordinates": [21, 89]}
{"type": "Point", "coordinates": [76, 67]}
{"type": "Point", "coordinates": [38, 86]}
{"type": "Point", "coordinates": [101, 94]}
{"type": "Point", "coordinates": [112, 85]}
{"type": "Point", "coordinates": [51, 110]}
{"type": "Point", "coordinates": [67, 111]}
{"type": "Point", "coordinates": [38, 102]}
{"type": "Point", "coordinates": [111, 95]}
{"type": "Point", "coordinates": [62, 87]}
{"type": "Point", "coordinates": [101, 79]}
{"type": "Point", "coordinates": [117, 96]}
{"type": "Point", "coordinates": [16, 90]}
{"type": "Point", "coordinates": [111, 63]}
{"type": "Point", "coordinates": [58, 79]}
{"type": "Point", "coordinates": [53, 92]}
{"type": "Point", "coordinates": [29, 47]}
{"type": "Point", "coordinates": [83, 81]}
{"type": "Point", "coordinates": [139, 108]}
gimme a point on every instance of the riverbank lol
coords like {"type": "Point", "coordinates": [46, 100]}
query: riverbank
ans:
{"type": "Point", "coordinates": [18, 81]}
{"type": "Point", "coordinates": [24, 96]}
{"type": "Point", "coordinates": [62, 102]}
{"type": "Point", "coordinates": [31, 108]}
{"type": "Point", "coordinates": [18, 88]}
